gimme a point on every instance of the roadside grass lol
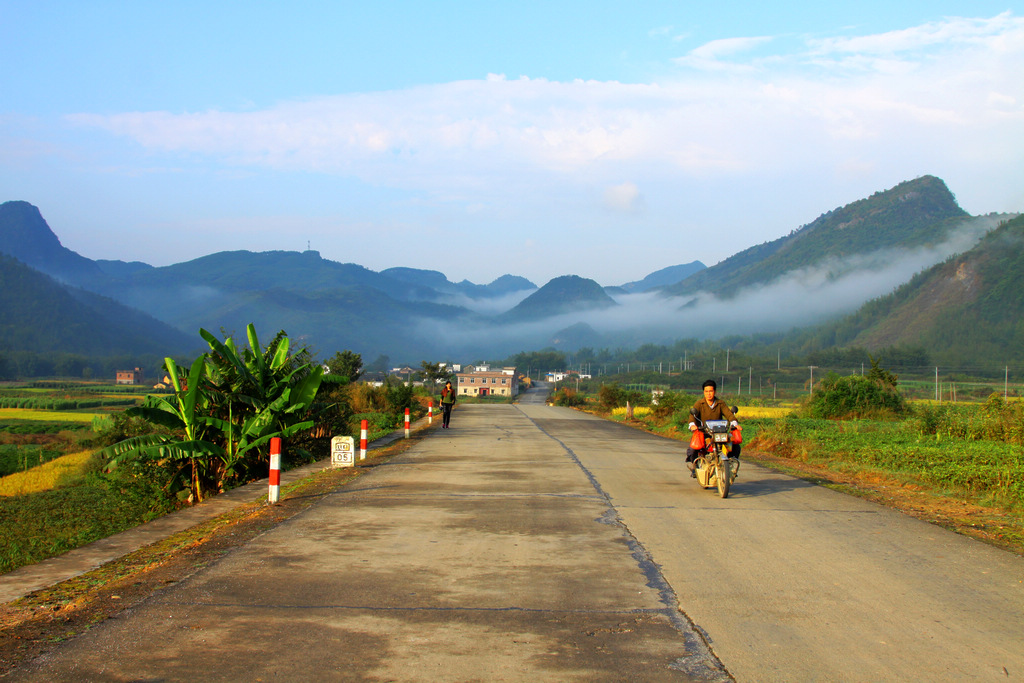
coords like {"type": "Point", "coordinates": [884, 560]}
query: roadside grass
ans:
{"type": "Point", "coordinates": [36, 526]}
{"type": "Point", "coordinates": [482, 399]}
{"type": "Point", "coordinates": [37, 623]}
{"type": "Point", "coordinates": [974, 486]}
{"type": "Point", "coordinates": [63, 504]}
{"type": "Point", "coordinates": [989, 472]}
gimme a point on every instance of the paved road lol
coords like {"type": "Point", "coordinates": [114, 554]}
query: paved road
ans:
{"type": "Point", "coordinates": [536, 543]}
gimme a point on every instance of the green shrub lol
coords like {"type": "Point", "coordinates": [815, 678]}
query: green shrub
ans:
{"type": "Point", "coordinates": [670, 403]}
{"type": "Point", "coordinates": [569, 398]}
{"type": "Point", "coordinates": [611, 396]}
{"type": "Point", "coordinates": [377, 424]}
{"type": "Point", "coordinates": [854, 396]}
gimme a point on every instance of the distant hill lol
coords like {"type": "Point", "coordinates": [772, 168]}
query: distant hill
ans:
{"type": "Point", "coordinates": [25, 235]}
{"type": "Point", "coordinates": [565, 294]}
{"type": "Point", "coordinates": [236, 271]}
{"type": "Point", "coordinates": [506, 284]}
{"type": "Point", "coordinates": [969, 307]}
{"type": "Point", "coordinates": [361, 319]}
{"type": "Point", "coordinates": [798, 280]}
{"type": "Point", "coordinates": [575, 337]}
{"type": "Point", "coordinates": [39, 314]}
{"type": "Point", "coordinates": [665, 277]}
{"type": "Point", "coordinates": [913, 214]}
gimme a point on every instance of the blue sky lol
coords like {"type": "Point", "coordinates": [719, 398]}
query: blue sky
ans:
{"type": "Point", "coordinates": [480, 139]}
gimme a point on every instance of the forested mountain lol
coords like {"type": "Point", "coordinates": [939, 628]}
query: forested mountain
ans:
{"type": "Point", "coordinates": [25, 235]}
{"type": "Point", "coordinates": [41, 315]}
{"type": "Point", "coordinates": [967, 309]}
{"type": "Point", "coordinates": [665, 277]}
{"type": "Point", "coordinates": [565, 294]}
{"type": "Point", "coordinates": [410, 313]}
{"type": "Point", "coordinates": [916, 213]}
{"type": "Point", "coordinates": [436, 280]}
{"type": "Point", "coordinates": [362, 319]}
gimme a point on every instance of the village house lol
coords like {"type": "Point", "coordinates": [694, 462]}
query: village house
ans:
{"type": "Point", "coordinates": [129, 376]}
{"type": "Point", "coordinates": [488, 382]}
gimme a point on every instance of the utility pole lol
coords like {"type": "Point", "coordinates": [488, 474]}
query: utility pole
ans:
{"type": "Point", "coordinates": [812, 378]}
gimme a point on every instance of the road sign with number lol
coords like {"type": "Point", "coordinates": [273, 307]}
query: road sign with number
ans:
{"type": "Point", "coordinates": [343, 451]}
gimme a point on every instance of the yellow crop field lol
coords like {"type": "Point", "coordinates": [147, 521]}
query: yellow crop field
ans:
{"type": "Point", "coordinates": [45, 415]}
{"type": "Point", "coordinates": [638, 411]}
{"type": "Point", "coordinates": [45, 476]}
{"type": "Point", "coordinates": [763, 411]}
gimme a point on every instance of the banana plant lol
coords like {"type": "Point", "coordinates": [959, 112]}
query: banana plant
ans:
{"type": "Point", "coordinates": [231, 404]}
{"type": "Point", "coordinates": [185, 414]}
{"type": "Point", "coordinates": [265, 392]}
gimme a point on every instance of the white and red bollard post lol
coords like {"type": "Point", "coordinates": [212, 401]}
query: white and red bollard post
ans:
{"type": "Point", "coordinates": [407, 423]}
{"type": "Point", "coordinates": [362, 440]}
{"type": "Point", "coordinates": [430, 413]}
{"type": "Point", "coordinates": [275, 470]}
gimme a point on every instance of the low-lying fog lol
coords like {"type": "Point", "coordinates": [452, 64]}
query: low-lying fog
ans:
{"type": "Point", "coordinates": [802, 297]}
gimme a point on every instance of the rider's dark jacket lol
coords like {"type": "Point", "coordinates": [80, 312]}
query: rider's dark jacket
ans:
{"type": "Point", "coordinates": [717, 411]}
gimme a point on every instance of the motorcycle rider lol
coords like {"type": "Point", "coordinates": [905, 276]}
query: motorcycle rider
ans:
{"type": "Point", "coordinates": [710, 408]}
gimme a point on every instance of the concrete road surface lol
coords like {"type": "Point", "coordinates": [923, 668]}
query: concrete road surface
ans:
{"type": "Point", "coordinates": [530, 543]}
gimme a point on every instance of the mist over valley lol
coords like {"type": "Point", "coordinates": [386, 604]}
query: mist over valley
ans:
{"type": "Point", "coordinates": [817, 274]}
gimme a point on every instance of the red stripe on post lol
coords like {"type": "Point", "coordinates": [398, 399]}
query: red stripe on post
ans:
{"type": "Point", "coordinates": [275, 470]}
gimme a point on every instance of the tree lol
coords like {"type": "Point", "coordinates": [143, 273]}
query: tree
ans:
{"type": "Point", "coordinates": [346, 364]}
{"type": "Point", "coordinates": [434, 372]}
{"type": "Point", "coordinates": [880, 375]}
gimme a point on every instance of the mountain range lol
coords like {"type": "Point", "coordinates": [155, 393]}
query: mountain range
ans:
{"type": "Point", "coordinates": [836, 270]}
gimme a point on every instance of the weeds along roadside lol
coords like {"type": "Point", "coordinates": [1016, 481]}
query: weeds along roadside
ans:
{"type": "Point", "coordinates": [38, 622]}
{"type": "Point", "coordinates": [56, 497]}
{"type": "Point", "coordinates": [957, 465]}
{"type": "Point", "coordinates": [69, 502]}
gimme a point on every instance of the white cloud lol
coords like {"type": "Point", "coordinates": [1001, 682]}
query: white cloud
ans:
{"type": "Point", "coordinates": [861, 112]}
{"type": "Point", "coordinates": [714, 56]}
{"type": "Point", "coordinates": [625, 197]}
{"type": "Point", "coordinates": [859, 88]}
{"type": "Point", "coordinates": [948, 34]}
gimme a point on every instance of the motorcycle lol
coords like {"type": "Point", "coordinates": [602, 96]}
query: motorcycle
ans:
{"type": "Point", "coordinates": [713, 465]}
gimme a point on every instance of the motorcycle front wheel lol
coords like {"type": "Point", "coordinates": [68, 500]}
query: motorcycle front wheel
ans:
{"type": "Point", "coordinates": [724, 476]}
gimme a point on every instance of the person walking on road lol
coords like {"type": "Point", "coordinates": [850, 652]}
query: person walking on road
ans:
{"type": "Point", "coordinates": [447, 403]}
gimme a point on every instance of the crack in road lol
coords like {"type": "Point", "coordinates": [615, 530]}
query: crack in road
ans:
{"type": "Point", "coordinates": [703, 664]}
